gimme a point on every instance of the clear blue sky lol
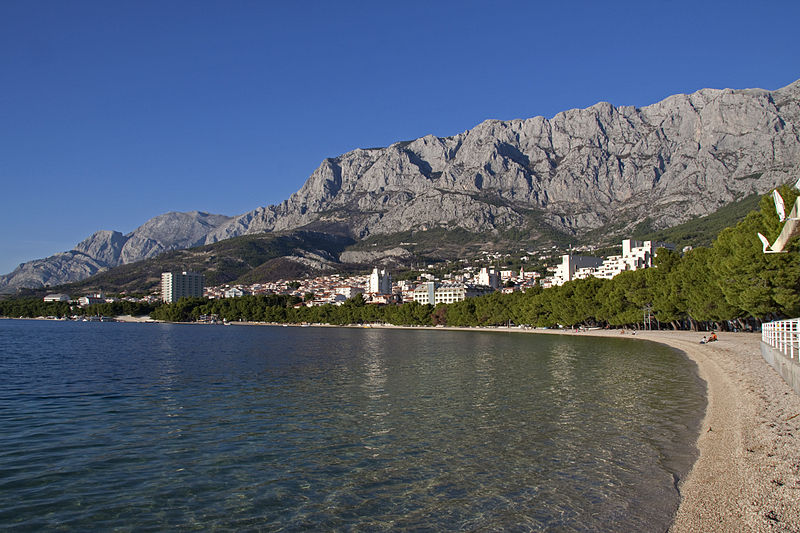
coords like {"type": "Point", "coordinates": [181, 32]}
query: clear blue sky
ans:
{"type": "Point", "coordinates": [114, 112]}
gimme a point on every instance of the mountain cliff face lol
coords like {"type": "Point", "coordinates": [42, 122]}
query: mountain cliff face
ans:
{"type": "Point", "coordinates": [584, 169]}
{"type": "Point", "coordinates": [581, 170]}
{"type": "Point", "coordinates": [107, 249]}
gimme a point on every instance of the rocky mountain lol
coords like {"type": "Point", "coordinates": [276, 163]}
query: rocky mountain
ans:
{"type": "Point", "coordinates": [107, 249]}
{"type": "Point", "coordinates": [582, 170]}
{"type": "Point", "coordinates": [601, 168]}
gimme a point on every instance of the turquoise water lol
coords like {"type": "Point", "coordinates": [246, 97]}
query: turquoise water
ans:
{"type": "Point", "coordinates": [164, 427]}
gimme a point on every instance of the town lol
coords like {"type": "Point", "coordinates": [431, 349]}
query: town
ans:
{"type": "Point", "coordinates": [431, 285]}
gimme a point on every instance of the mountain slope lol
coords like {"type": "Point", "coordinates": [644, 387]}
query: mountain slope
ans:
{"type": "Point", "coordinates": [583, 169]}
{"type": "Point", "coordinates": [234, 259]}
{"type": "Point", "coordinates": [603, 170]}
{"type": "Point", "coordinates": [107, 249]}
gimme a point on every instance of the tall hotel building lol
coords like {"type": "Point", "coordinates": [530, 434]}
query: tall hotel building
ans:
{"type": "Point", "coordinates": [177, 285]}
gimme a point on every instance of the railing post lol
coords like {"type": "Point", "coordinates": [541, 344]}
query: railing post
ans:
{"type": "Point", "coordinates": [784, 336]}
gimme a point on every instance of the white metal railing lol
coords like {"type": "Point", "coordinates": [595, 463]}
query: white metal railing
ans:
{"type": "Point", "coordinates": [783, 335]}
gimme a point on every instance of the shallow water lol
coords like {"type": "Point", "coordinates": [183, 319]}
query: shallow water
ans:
{"type": "Point", "coordinates": [156, 426]}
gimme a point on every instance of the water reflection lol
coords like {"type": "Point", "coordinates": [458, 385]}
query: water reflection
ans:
{"type": "Point", "coordinates": [290, 428]}
{"type": "Point", "coordinates": [371, 353]}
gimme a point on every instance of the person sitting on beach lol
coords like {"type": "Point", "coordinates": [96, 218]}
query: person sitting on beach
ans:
{"type": "Point", "coordinates": [712, 338]}
{"type": "Point", "coordinates": [703, 340]}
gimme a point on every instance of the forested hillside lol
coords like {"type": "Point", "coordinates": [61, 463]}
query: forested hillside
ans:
{"type": "Point", "coordinates": [731, 284]}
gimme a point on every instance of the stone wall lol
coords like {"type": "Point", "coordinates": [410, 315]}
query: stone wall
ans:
{"type": "Point", "coordinates": [789, 369]}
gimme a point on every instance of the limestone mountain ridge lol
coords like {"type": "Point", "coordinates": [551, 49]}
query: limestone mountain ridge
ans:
{"type": "Point", "coordinates": [601, 168]}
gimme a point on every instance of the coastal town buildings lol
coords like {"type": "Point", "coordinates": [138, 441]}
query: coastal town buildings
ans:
{"type": "Point", "coordinates": [177, 285]}
{"type": "Point", "coordinates": [635, 256]}
{"type": "Point", "coordinates": [463, 279]}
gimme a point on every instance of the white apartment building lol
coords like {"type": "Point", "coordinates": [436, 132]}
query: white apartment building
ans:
{"type": "Point", "coordinates": [635, 256]}
{"type": "Point", "coordinates": [434, 293]}
{"type": "Point", "coordinates": [425, 293]}
{"type": "Point", "coordinates": [380, 282]}
{"type": "Point", "coordinates": [489, 278]}
{"type": "Point", "coordinates": [448, 293]}
{"type": "Point", "coordinates": [235, 292]}
{"type": "Point", "coordinates": [177, 285]}
{"type": "Point", "coordinates": [570, 264]}
{"type": "Point", "coordinates": [56, 298]}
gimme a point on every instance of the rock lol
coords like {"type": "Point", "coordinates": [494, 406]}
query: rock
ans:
{"type": "Point", "coordinates": [683, 157]}
{"type": "Point", "coordinates": [362, 257]}
{"type": "Point", "coordinates": [107, 249]}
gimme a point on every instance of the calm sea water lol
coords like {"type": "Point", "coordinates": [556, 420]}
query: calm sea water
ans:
{"type": "Point", "coordinates": [178, 427]}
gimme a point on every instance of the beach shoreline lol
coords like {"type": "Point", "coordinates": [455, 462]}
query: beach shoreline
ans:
{"type": "Point", "coordinates": [747, 474]}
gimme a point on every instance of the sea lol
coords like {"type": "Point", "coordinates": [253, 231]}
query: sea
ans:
{"type": "Point", "coordinates": [154, 427]}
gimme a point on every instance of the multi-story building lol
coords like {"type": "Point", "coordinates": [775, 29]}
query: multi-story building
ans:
{"type": "Point", "coordinates": [448, 293]}
{"type": "Point", "coordinates": [177, 285]}
{"type": "Point", "coordinates": [380, 282]}
{"type": "Point", "coordinates": [235, 292]}
{"type": "Point", "coordinates": [570, 264]}
{"type": "Point", "coordinates": [56, 298]}
{"type": "Point", "coordinates": [425, 293]}
{"type": "Point", "coordinates": [431, 292]}
{"type": "Point", "coordinates": [635, 256]}
{"type": "Point", "coordinates": [489, 278]}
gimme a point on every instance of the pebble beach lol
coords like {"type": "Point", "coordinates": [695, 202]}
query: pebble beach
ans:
{"type": "Point", "coordinates": [747, 475]}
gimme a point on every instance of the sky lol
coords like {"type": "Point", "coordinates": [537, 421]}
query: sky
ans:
{"type": "Point", "coordinates": [114, 112]}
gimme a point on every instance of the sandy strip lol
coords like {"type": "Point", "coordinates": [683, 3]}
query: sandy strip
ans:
{"type": "Point", "coordinates": [747, 477]}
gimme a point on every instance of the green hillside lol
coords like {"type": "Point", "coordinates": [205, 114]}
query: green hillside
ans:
{"type": "Point", "coordinates": [222, 262]}
{"type": "Point", "coordinates": [701, 231]}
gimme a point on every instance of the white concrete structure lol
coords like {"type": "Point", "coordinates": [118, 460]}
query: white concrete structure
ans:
{"type": "Point", "coordinates": [489, 278]}
{"type": "Point", "coordinates": [177, 285]}
{"type": "Point", "coordinates": [570, 264]}
{"type": "Point", "coordinates": [448, 293]}
{"type": "Point", "coordinates": [434, 293]}
{"type": "Point", "coordinates": [235, 292]}
{"type": "Point", "coordinates": [348, 291]}
{"type": "Point", "coordinates": [425, 293]}
{"type": "Point", "coordinates": [635, 256]}
{"type": "Point", "coordinates": [56, 298]}
{"type": "Point", "coordinates": [380, 282]}
{"type": "Point", "coordinates": [92, 299]}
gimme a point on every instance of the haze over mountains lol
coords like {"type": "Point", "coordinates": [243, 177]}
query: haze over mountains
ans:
{"type": "Point", "coordinates": [604, 167]}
